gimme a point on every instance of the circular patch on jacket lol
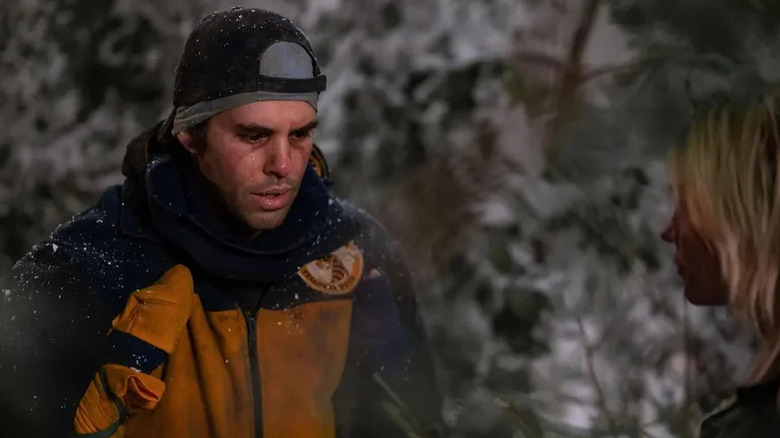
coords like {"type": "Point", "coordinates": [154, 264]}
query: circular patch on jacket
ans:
{"type": "Point", "coordinates": [335, 274]}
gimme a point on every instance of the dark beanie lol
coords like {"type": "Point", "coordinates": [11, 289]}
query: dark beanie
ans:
{"type": "Point", "coordinates": [240, 56]}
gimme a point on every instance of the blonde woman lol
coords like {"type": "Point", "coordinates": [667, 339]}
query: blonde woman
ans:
{"type": "Point", "coordinates": [726, 228]}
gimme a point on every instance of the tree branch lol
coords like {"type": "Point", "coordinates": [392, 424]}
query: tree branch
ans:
{"type": "Point", "coordinates": [602, 399]}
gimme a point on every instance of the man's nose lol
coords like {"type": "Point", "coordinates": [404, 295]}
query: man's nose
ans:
{"type": "Point", "coordinates": [279, 162]}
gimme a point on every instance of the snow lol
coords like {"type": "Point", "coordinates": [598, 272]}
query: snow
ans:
{"type": "Point", "coordinates": [373, 151]}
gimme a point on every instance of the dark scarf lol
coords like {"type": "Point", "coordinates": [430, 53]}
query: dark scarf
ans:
{"type": "Point", "coordinates": [178, 214]}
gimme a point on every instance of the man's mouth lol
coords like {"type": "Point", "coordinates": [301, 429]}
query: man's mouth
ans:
{"type": "Point", "coordinates": [274, 198]}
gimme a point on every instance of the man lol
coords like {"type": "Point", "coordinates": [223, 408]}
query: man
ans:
{"type": "Point", "coordinates": [220, 291]}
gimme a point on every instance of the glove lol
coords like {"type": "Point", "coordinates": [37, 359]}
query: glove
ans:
{"type": "Point", "coordinates": [142, 336]}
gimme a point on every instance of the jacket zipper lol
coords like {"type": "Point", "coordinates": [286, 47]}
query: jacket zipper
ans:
{"type": "Point", "coordinates": [255, 370]}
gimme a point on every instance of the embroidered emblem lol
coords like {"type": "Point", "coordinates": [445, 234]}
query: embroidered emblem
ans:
{"type": "Point", "coordinates": [336, 274]}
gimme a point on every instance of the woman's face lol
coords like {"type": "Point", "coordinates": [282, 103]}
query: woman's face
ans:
{"type": "Point", "coordinates": [696, 263]}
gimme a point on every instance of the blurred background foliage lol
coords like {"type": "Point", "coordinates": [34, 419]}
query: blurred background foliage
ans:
{"type": "Point", "coordinates": [515, 147]}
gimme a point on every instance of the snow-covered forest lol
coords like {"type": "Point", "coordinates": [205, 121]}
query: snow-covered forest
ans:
{"type": "Point", "coordinates": [516, 149]}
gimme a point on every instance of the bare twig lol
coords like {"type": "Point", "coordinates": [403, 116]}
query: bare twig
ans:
{"type": "Point", "coordinates": [526, 422]}
{"type": "Point", "coordinates": [687, 346]}
{"type": "Point", "coordinates": [399, 411]}
{"type": "Point", "coordinates": [570, 78]}
{"type": "Point", "coordinates": [602, 399]}
{"type": "Point", "coordinates": [401, 420]}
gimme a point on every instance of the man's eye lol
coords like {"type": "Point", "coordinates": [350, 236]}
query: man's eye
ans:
{"type": "Point", "coordinates": [300, 135]}
{"type": "Point", "coordinates": [254, 138]}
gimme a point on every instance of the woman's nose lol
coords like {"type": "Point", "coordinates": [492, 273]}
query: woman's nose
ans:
{"type": "Point", "coordinates": [669, 234]}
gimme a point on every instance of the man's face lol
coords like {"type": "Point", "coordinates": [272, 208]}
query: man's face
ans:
{"type": "Point", "coordinates": [255, 156]}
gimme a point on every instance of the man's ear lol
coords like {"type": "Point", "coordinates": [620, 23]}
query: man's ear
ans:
{"type": "Point", "coordinates": [185, 138]}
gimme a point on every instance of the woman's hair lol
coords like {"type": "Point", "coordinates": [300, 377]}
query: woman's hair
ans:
{"type": "Point", "coordinates": [726, 174]}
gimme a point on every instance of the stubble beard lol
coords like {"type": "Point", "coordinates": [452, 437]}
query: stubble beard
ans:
{"type": "Point", "coordinates": [260, 220]}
